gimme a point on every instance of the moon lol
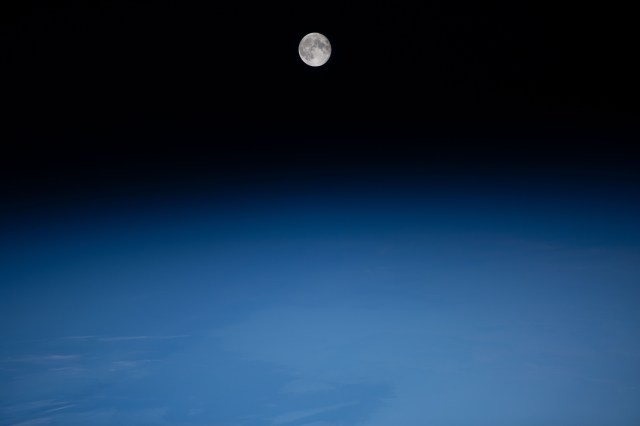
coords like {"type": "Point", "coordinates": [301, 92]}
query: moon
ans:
{"type": "Point", "coordinates": [314, 49]}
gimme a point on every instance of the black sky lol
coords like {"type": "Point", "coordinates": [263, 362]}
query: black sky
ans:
{"type": "Point", "coordinates": [104, 96]}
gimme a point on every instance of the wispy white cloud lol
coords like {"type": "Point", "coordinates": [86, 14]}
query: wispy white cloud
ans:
{"type": "Point", "coordinates": [301, 386]}
{"type": "Point", "coordinates": [34, 422]}
{"type": "Point", "coordinates": [70, 370]}
{"type": "Point", "coordinates": [124, 338]}
{"type": "Point", "coordinates": [93, 417]}
{"type": "Point", "coordinates": [59, 357]}
{"type": "Point", "coordinates": [45, 358]}
{"type": "Point", "coordinates": [406, 350]}
{"type": "Point", "coordinates": [40, 412]}
{"type": "Point", "coordinates": [91, 337]}
{"type": "Point", "coordinates": [128, 364]}
{"type": "Point", "coordinates": [127, 338]}
{"type": "Point", "coordinates": [79, 337]}
{"type": "Point", "coordinates": [294, 416]}
{"type": "Point", "coordinates": [64, 407]}
{"type": "Point", "coordinates": [31, 406]}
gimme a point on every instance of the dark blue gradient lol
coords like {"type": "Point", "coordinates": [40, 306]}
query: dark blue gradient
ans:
{"type": "Point", "coordinates": [389, 303]}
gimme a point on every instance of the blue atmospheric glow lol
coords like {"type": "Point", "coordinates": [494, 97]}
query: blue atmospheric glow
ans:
{"type": "Point", "coordinates": [318, 308]}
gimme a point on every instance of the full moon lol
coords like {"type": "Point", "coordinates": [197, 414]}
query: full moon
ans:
{"type": "Point", "coordinates": [314, 49]}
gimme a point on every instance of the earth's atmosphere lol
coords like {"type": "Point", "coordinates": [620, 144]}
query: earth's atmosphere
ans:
{"type": "Point", "coordinates": [428, 306]}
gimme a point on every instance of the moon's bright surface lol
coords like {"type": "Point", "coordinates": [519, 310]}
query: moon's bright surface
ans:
{"type": "Point", "coordinates": [314, 49]}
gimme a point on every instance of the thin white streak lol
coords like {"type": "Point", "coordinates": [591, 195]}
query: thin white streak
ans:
{"type": "Point", "coordinates": [64, 407]}
{"type": "Point", "coordinates": [34, 422]}
{"type": "Point", "coordinates": [43, 358]}
{"type": "Point", "coordinates": [126, 338]}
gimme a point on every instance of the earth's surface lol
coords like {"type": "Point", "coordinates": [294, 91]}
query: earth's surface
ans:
{"type": "Point", "coordinates": [428, 306]}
